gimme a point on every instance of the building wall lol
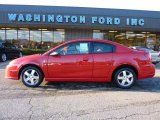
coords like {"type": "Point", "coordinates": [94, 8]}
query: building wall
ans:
{"type": "Point", "coordinates": [78, 34]}
{"type": "Point", "coordinates": [76, 17]}
{"type": "Point", "coordinates": [47, 26]}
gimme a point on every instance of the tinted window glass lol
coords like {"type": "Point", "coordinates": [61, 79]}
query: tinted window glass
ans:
{"type": "Point", "coordinates": [102, 48]}
{"type": "Point", "coordinates": [74, 48]}
{"type": "Point", "coordinates": [1, 45]}
{"type": "Point", "coordinates": [7, 45]}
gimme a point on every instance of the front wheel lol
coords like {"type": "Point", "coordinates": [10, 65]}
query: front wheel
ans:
{"type": "Point", "coordinates": [31, 76]}
{"type": "Point", "coordinates": [125, 78]}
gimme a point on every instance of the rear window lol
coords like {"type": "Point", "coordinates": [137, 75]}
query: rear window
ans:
{"type": "Point", "coordinates": [102, 48]}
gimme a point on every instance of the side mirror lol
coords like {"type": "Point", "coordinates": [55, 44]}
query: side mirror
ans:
{"type": "Point", "coordinates": [54, 54]}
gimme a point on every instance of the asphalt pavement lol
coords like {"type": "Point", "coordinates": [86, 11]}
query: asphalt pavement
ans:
{"type": "Point", "coordinates": [79, 101]}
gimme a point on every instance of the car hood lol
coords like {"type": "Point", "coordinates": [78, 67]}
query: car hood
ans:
{"type": "Point", "coordinates": [29, 58]}
{"type": "Point", "coordinates": [35, 56]}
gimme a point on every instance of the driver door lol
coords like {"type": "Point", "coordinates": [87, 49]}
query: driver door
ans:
{"type": "Point", "coordinates": [75, 63]}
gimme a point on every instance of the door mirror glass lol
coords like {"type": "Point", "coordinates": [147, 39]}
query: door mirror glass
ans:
{"type": "Point", "coordinates": [54, 54]}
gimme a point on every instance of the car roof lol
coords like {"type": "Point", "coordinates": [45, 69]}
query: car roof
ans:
{"type": "Point", "coordinates": [93, 40]}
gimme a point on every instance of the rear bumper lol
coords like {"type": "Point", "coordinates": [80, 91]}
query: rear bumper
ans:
{"type": "Point", "coordinates": [148, 71]}
{"type": "Point", "coordinates": [11, 72]}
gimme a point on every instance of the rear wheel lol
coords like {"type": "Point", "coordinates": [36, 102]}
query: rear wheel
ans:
{"type": "Point", "coordinates": [3, 57]}
{"type": "Point", "coordinates": [125, 78]}
{"type": "Point", "coordinates": [31, 76]}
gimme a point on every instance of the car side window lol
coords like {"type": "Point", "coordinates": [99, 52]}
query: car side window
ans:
{"type": "Point", "coordinates": [7, 45]}
{"type": "Point", "coordinates": [74, 48]}
{"type": "Point", "coordinates": [13, 47]}
{"type": "Point", "coordinates": [102, 48]}
{"type": "Point", "coordinates": [10, 46]}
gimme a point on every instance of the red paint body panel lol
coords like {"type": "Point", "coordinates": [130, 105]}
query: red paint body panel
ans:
{"type": "Point", "coordinates": [70, 67]}
{"type": "Point", "coordinates": [84, 67]}
{"type": "Point", "coordinates": [102, 66]}
{"type": "Point", "coordinates": [11, 72]}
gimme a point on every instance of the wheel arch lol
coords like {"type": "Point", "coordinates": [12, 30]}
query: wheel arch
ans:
{"type": "Point", "coordinates": [125, 66]}
{"type": "Point", "coordinates": [32, 65]}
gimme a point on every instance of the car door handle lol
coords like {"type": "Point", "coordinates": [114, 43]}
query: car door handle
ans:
{"type": "Point", "coordinates": [85, 59]}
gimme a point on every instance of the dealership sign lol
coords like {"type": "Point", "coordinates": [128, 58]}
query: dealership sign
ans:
{"type": "Point", "coordinates": [74, 19]}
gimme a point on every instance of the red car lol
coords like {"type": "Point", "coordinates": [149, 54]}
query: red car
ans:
{"type": "Point", "coordinates": [83, 61]}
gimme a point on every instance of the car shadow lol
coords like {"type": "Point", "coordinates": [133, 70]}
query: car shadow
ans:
{"type": "Point", "coordinates": [147, 85]}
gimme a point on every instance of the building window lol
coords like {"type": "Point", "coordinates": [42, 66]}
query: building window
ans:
{"type": "Point", "coordinates": [140, 39]}
{"type": "Point", "coordinates": [104, 35]}
{"type": "Point", "coordinates": [35, 39]}
{"type": "Point", "coordinates": [151, 40]}
{"type": "Point", "coordinates": [110, 35]}
{"type": "Point", "coordinates": [11, 36]}
{"type": "Point", "coordinates": [23, 37]}
{"type": "Point", "coordinates": [120, 37]}
{"type": "Point", "coordinates": [128, 38]}
{"type": "Point", "coordinates": [97, 34]}
{"type": "Point", "coordinates": [2, 34]}
{"type": "Point", "coordinates": [47, 39]}
{"type": "Point", "coordinates": [136, 38]}
{"type": "Point", "coordinates": [157, 45]}
{"type": "Point", "coordinates": [59, 36]}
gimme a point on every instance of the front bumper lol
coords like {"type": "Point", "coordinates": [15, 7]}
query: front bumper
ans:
{"type": "Point", "coordinates": [11, 72]}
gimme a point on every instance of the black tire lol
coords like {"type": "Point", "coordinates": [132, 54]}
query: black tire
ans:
{"type": "Point", "coordinates": [124, 82]}
{"type": "Point", "coordinates": [27, 76]}
{"type": "Point", "coordinates": [3, 57]}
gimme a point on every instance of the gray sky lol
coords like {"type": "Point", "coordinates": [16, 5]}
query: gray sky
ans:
{"type": "Point", "coordinates": [153, 5]}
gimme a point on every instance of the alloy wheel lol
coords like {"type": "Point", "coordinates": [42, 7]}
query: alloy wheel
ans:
{"type": "Point", "coordinates": [125, 78]}
{"type": "Point", "coordinates": [31, 77]}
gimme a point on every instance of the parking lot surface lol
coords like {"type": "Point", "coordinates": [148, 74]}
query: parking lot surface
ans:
{"type": "Point", "coordinates": [79, 101]}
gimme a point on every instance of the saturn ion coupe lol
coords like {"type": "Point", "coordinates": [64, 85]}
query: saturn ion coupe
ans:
{"type": "Point", "coordinates": [83, 61]}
